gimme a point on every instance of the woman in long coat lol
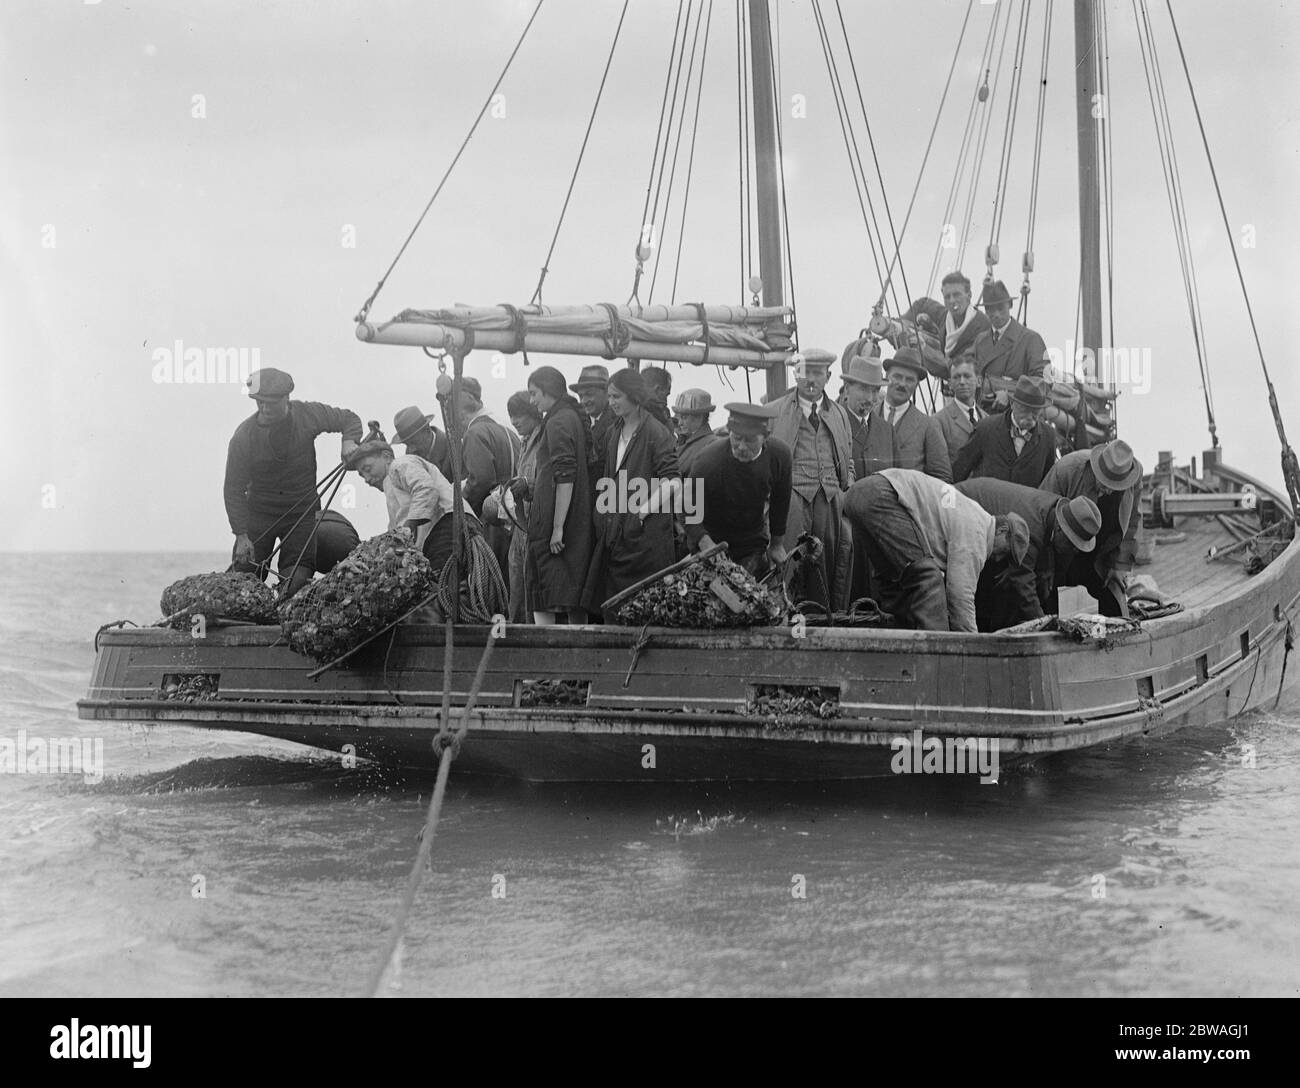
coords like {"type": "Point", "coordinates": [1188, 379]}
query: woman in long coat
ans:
{"type": "Point", "coordinates": [559, 519]}
{"type": "Point", "coordinates": [640, 454]}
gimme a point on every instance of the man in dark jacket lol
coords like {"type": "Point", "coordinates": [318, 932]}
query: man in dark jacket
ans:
{"type": "Point", "coordinates": [1014, 445]}
{"type": "Point", "coordinates": [1059, 530]}
{"type": "Point", "coordinates": [1006, 349]}
{"type": "Point", "coordinates": [488, 457]}
{"type": "Point", "coordinates": [270, 485]}
{"type": "Point", "coordinates": [592, 389]}
{"type": "Point", "coordinates": [417, 433]}
{"type": "Point", "coordinates": [745, 488]}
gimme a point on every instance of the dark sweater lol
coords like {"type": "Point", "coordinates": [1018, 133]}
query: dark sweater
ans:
{"type": "Point", "coordinates": [489, 452]}
{"type": "Point", "coordinates": [735, 495]}
{"type": "Point", "coordinates": [272, 470]}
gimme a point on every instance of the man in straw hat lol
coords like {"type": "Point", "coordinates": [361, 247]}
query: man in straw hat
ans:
{"type": "Point", "coordinates": [416, 431]}
{"type": "Point", "coordinates": [1006, 349]}
{"type": "Point", "coordinates": [1013, 445]}
{"type": "Point", "coordinates": [820, 437]}
{"type": "Point", "coordinates": [694, 435]}
{"type": "Point", "coordinates": [270, 486]}
{"type": "Point", "coordinates": [1111, 477]}
{"type": "Point", "coordinates": [1059, 529]}
{"type": "Point", "coordinates": [905, 437]}
{"type": "Point", "coordinates": [745, 490]}
{"type": "Point", "coordinates": [928, 545]}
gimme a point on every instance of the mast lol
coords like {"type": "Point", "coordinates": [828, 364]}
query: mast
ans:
{"type": "Point", "coordinates": [767, 169]}
{"type": "Point", "coordinates": [1086, 87]}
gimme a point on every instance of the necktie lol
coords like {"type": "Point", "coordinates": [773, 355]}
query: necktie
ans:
{"type": "Point", "coordinates": [813, 419]}
{"type": "Point", "coordinates": [997, 334]}
{"type": "Point", "coordinates": [973, 418]}
{"type": "Point", "coordinates": [893, 414]}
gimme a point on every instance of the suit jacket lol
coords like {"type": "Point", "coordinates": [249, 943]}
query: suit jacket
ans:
{"type": "Point", "coordinates": [1120, 521]}
{"type": "Point", "coordinates": [954, 422]}
{"type": "Point", "coordinates": [1018, 351]}
{"type": "Point", "coordinates": [992, 452]}
{"type": "Point", "coordinates": [916, 442]}
{"type": "Point", "coordinates": [786, 428]}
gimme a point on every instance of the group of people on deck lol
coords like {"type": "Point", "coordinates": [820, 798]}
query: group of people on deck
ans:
{"type": "Point", "coordinates": [965, 519]}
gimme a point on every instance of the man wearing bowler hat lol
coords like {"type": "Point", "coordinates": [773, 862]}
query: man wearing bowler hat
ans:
{"type": "Point", "coordinates": [745, 490]}
{"type": "Point", "coordinates": [1014, 445]}
{"type": "Point", "coordinates": [592, 388]}
{"type": "Point", "coordinates": [820, 437]}
{"type": "Point", "coordinates": [1111, 477]}
{"type": "Point", "coordinates": [1006, 349]}
{"type": "Point", "coordinates": [900, 435]}
{"type": "Point", "coordinates": [416, 431]}
{"type": "Point", "coordinates": [270, 485]}
{"type": "Point", "coordinates": [1059, 529]}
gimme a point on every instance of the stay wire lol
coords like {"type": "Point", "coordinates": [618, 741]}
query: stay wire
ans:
{"type": "Point", "coordinates": [365, 309]}
{"type": "Point", "coordinates": [978, 162]}
{"type": "Point", "coordinates": [537, 293]}
{"type": "Point", "coordinates": [677, 146]}
{"type": "Point", "coordinates": [968, 131]}
{"type": "Point", "coordinates": [690, 161]}
{"type": "Point", "coordinates": [1293, 485]}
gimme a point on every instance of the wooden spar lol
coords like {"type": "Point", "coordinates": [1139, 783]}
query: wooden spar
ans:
{"type": "Point", "coordinates": [447, 338]}
{"type": "Point", "coordinates": [715, 315]}
{"type": "Point", "coordinates": [767, 172]}
{"type": "Point", "coordinates": [1085, 87]}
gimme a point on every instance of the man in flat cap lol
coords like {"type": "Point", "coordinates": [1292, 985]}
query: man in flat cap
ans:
{"type": "Point", "coordinates": [1059, 530]}
{"type": "Point", "coordinates": [1111, 477]}
{"type": "Point", "coordinates": [1014, 445]}
{"type": "Point", "coordinates": [1006, 349]}
{"type": "Point", "coordinates": [592, 388]}
{"type": "Point", "coordinates": [899, 434]}
{"type": "Point", "coordinates": [928, 545]}
{"type": "Point", "coordinates": [694, 435]}
{"type": "Point", "coordinates": [744, 489]}
{"type": "Point", "coordinates": [820, 437]}
{"type": "Point", "coordinates": [416, 431]}
{"type": "Point", "coordinates": [489, 454]}
{"type": "Point", "coordinates": [270, 485]}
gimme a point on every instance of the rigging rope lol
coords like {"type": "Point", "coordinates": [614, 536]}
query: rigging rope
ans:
{"type": "Point", "coordinates": [977, 167]}
{"type": "Point", "coordinates": [690, 161]}
{"type": "Point", "coordinates": [677, 145]}
{"type": "Point", "coordinates": [365, 308]}
{"type": "Point", "coordinates": [1177, 211]}
{"type": "Point", "coordinates": [742, 145]}
{"type": "Point", "coordinates": [1008, 136]}
{"type": "Point", "coordinates": [1290, 467]}
{"type": "Point", "coordinates": [1032, 223]}
{"type": "Point", "coordinates": [537, 293]}
{"type": "Point", "coordinates": [785, 213]}
{"type": "Point", "coordinates": [963, 150]}
{"type": "Point", "coordinates": [642, 241]}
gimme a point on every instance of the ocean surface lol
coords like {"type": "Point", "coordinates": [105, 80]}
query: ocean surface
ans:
{"type": "Point", "coordinates": [913, 886]}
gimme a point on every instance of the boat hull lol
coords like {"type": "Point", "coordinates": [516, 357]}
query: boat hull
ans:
{"type": "Point", "coordinates": [682, 707]}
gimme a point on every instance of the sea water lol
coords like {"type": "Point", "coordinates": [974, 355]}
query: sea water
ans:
{"type": "Point", "coordinates": [217, 863]}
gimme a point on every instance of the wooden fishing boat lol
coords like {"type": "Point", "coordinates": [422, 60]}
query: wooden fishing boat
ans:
{"type": "Point", "coordinates": [805, 702]}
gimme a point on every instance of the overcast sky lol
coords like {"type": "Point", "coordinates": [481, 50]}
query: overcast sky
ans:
{"type": "Point", "coordinates": [238, 175]}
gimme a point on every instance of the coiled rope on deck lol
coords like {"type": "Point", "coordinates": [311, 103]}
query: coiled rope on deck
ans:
{"type": "Point", "coordinates": [483, 590]}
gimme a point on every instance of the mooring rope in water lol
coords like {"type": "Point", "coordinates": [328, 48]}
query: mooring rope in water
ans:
{"type": "Point", "coordinates": [447, 745]}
